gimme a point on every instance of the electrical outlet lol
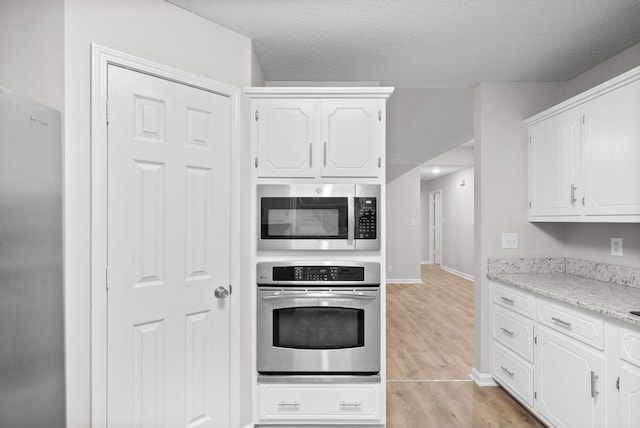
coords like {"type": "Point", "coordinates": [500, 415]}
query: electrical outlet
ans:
{"type": "Point", "coordinates": [389, 269]}
{"type": "Point", "coordinates": [616, 247]}
{"type": "Point", "coordinates": [509, 240]}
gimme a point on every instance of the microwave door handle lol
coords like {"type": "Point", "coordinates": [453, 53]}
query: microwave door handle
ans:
{"type": "Point", "coordinates": [286, 296]}
{"type": "Point", "coordinates": [351, 221]}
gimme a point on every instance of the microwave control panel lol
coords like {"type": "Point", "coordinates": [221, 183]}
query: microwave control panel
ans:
{"type": "Point", "coordinates": [366, 224]}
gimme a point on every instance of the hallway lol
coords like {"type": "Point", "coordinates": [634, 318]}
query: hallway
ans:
{"type": "Point", "coordinates": [430, 356]}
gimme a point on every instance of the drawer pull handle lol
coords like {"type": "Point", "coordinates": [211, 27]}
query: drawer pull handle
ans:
{"type": "Point", "coordinates": [509, 373]}
{"type": "Point", "coordinates": [350, 404]}
{"type": "Point", "coordinates": [594, 379]}
{"type": "Point", "coordinates": [507, 300]}
{"type": "Point", "coordinates": [561, 322]}
{"type": "Point", "coordinates": [286, 404]}
{"type": "Point", "coordinates": [507, 332]}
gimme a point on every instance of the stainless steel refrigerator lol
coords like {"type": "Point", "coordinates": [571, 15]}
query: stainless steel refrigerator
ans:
{"type": "Point", "coordinates": [32, 378]}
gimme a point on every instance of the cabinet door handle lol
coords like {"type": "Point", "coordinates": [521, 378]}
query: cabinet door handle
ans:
{"type": "Point", "coordinates": [561, 322]}
{"type": "Point", "coordinates": [573, 194]}
{"type": "Point", "coordinates": [325, 153]}
{"type": "Point", "coordinates": [310, 155]}
{"type": "Point", "coordinates": [507, 332]}
{"type": "Point", "coordinates": [509, 373]}
{"type": "Point", "coordinates": [507, 300]}
{"type": "Point", "coordinates": [286, 404]}
{"type": "Point", "coordinates": [594, 379]}
{"type": "Point", "coordinates": [350, 404]}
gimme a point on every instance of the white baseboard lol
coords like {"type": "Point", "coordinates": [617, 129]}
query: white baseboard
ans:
{"type": "Point", "coordinates": [482, 379]}
{"type": "Point", "coordinates": [426, 262]}
{"type": "Point", "coordinates": [404, 281]}
{"type": "Point", "coordinates": [458, 273]}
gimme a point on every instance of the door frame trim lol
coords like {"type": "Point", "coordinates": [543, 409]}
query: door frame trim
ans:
{"type": "Point", "coordinates": [432, 242]}
{"type": "Point", "coordinates": [101, 58]}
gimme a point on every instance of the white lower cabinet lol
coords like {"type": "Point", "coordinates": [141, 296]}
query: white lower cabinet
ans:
{"type": "Point", "coordinates": [570, 367]}
{"type": "Point", "coordinates": [568, 381]}
{"type": "Point", "coordinates": [628, 382]}
{"type": "Point", "coordinates": [629, 396]}
{"type": "Point", "coordinates": [306, 403]}
{"type": "Point", "coordinates": [513, 373]}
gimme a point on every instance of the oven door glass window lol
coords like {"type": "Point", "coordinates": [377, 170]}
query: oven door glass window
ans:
{"type": "Point", "coordinates": [318, 328]}
{"type": "Point", "coordinates": [304, 218]}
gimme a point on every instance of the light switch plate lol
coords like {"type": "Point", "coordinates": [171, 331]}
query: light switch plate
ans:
{"type": "Point", "coordinates": [616, 247]}
{"type": "Point", "coordinates": [509, 240]}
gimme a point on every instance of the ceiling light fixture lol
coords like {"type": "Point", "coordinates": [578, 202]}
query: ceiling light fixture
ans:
{"type": "Point", "coordinates": [436, 170]}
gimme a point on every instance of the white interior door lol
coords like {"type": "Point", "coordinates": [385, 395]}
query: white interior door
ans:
{"type": "Point", "coordinates": [437, 227]}
{"type": "Point", "coordinates": [168, 250]}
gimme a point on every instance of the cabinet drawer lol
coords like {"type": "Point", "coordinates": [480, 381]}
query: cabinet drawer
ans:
{"type": "Point", "coordinates": [309, 402]}
{"type": "Point", "coordinates": [630, 345]}
{"type": "Point", "coordinates": [513, 373]}
{"type": "Point", "coordinates": [513, 331]}
{"type": "Point", "coordinates": [584, 327]}
{"type": "Point", "coordinates": [513, 299]}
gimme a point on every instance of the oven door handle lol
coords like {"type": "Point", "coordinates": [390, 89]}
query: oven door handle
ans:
{"type": "Point", "coordinates": [304, 295]}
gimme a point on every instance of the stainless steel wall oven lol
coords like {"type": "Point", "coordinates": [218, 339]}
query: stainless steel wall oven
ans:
{"type": "Point", "coordinates": [318, 318]}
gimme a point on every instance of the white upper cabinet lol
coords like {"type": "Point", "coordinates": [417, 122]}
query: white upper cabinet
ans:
{"type": "Point", "coordinates": [351, 137]}
{"type": "Point", "coordinates": [554, 166]}
{"type": "Point", "coordinates": [287, 130]}
{"type": "Point", "coordinates": [584, 155]}
{"type": "Point", "coordinates": [318, 132]}
{"type": "Point", "coordinates": [611, 141]}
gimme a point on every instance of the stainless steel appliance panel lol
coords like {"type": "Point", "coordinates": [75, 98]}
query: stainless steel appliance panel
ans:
{"type": "Point", "coordinates": [293, 359]}
{"type": "Point", "coordinates": [354, 226]}
{"type": "Point", "coordinates": [318, 318]}
{"type": "Point", "coordinates": [371, 273]}
{"type": "Point", "coordinates": [32, 376]}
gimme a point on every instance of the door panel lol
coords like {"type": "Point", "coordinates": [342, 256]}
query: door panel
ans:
{"type": "Point", "coordinates": [350, 138]}
{"type": "Point", "coordinates": [286, 132]}
{"type": "Point", "coordinates": [168, 249]}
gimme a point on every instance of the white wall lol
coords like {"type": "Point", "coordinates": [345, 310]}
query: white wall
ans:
{"type": "Point", "coordinates": [403, 223]}
{"type": "Point", "coordinates": [32, 49]}
{"type": "Point", "coordinates": [458, 220]}
{"type": "Point", "coordinates": [425, 122]}
{"type": "Point", "coordinates": [614, 66]}
{"type": "Point", "coordinates": [154, 30]}
{"type": "Point", "coordinates": [501, 188]}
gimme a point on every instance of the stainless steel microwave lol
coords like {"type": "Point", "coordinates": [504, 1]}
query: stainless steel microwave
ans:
{"type": "Point", "coordinates": [318, 216]}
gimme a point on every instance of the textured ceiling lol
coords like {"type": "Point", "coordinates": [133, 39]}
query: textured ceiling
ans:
{"type": "Point", "coordinates": [428, 43]}
{"type": "Point", "coordinates": [432, 51]}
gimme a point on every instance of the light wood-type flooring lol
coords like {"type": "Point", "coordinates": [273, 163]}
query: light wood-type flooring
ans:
{"type": "Point", "coordinates": [430, 357]}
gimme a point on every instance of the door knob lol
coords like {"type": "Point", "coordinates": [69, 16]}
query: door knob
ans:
{"type": "Point", "coordinates": [221, 292]}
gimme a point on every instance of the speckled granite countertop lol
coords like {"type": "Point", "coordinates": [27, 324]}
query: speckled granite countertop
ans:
{"type": "Point", "coordinates": [610, 299]}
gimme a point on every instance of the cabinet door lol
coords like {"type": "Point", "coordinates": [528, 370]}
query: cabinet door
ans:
{"type": "Point", "coordinates": [629, 397]}
{"type": "Point", "coordinates": [568, 378]}
{"type": "Point", "coordinates": [287, 130]}
{"type": "Point", "coordinates": [612, 152]}
{"type": "Point", "coordinates": [554, 166]}
{"type": "Point", "coordinates": [351, 137]}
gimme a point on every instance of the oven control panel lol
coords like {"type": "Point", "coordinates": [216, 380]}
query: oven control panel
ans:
{"type": "Point", "coordinates": [318, 273]}
{"type": "Point", "coordinates": [336, 273]}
